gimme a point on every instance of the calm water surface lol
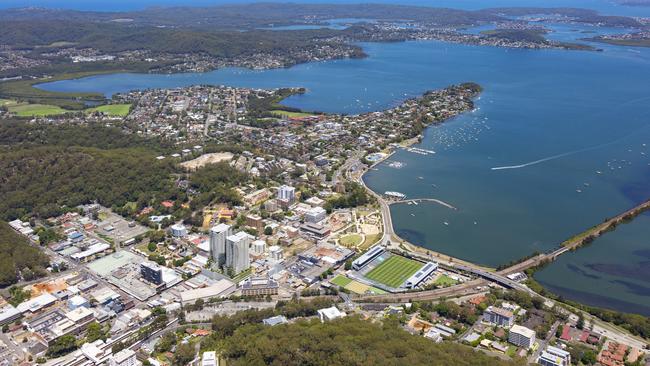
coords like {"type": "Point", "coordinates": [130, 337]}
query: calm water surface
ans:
{"type": "Point", "coordinates": [567, 131]}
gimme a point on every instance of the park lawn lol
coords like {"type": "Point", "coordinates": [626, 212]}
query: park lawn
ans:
{"type": "Point", "coordinates": [341, 281]}
{"type": "Point", "coordinates": [7, 102]}
{"type": "Point", "coordinates": [371, 239]}
{"type": "Point", "coordinates": [119, 110]}
{"type": "Point", "coordinates": [350, 240]}
{"type": "Point", "coordinates": [355, 286]}
{"type": "Point", "coordinates": [394, 271]}
{"type": "Point", "coordinates": [290, 114]}
{"type": "Point", "coordinates": [445, 281]}
{"type": "Point", "coordinates": [32, 110]}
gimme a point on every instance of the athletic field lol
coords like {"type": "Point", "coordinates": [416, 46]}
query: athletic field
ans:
{"type": "Point", "coordinates": [355, 286]}
{"type": "Point", "coordinates": [394, 271]}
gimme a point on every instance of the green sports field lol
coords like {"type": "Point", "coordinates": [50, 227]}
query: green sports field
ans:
{"type": "Point", "coordinates": [355, 286]}
{"type": "Point", "coordinates": [119, 110]}
{"type": "Point", "coordinates": [394, 271]}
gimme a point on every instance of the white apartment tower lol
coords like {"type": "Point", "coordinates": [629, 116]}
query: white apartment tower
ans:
{"type": "Point", "coordinates": [218, 235]}
{"type": "Point", "coordinates": [237, 248]}
{"type": "Point", "coordinates": [287, 193]}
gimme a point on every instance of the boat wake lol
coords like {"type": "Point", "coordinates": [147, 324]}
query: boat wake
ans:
{"type": "Point", "coordinates": [539, 161]}
{"type": "Point", "coordinates": [558, 156]}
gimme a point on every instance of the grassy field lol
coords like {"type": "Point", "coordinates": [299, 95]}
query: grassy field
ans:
{"type": "Point", "coordinates": [370, 241]}
{"type": "Point", "coordinates": [445, 281]}
{"type": "Point", "coordinates": [394, 271]}
{"type": "Point", "coordinates": [33, 110]}
{"type": "Point", "coordinates": [341, 281]}
{"type": "Point", "coordinates": [290, 114]}
{"type": "Point", "coordinates": [350, 240]}
{"type": "Point", "coordinates": [119, 110]}
{"type": "Point", "coordinates": [7, 102]}
{"type": "Point", "coordinates": [355, 286]}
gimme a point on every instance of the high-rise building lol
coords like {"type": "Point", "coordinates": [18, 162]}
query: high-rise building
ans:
{"type": "Point", "coordinates": [151, 272]}
{"type": "Point", "coordinates": [499, 316]}
{"type": "Point", "coordinates": [287, 193]}
{"type": "Point", "coordinates": [554, 356]}
{"type": "Point", "coordinates": [521, 336]}
{"type": "Point", "coordinates": [218, 235]}
{"type": "Point", "coordinates": [237, 248]}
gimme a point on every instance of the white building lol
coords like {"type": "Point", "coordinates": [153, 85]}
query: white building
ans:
{"type": "Point", "coordinates": [499, 316]}
{"type": "Point", "coordinates": [275, 253]}
{"type": "Point", "coordinates": [220, 289]}
{"type": "Point", "coordinates": [287, 193]}
{"type": "Point", "coordinates": [316, 214]}
{"type": "Point", "coordinates": [554, 356]}
{"type": "Point", "coordinates": [179, 230]}
{"type": "Point", "coordinates": [125, 357]}
{"type": "Point", "coordinates": [329, 314]}
{"type": "Point", "coordinates": [237, 248]}
{"type": "Point", "coordinates": [209, 359]}
{"type": "Point", "coordinates": [218, 235]}
{"type": "Point", "coordinates": [258, 247]}
{"type": "Point", "coordinates": [521, 336]}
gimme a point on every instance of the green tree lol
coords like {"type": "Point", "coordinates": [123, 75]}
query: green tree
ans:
{"type": "Point", "coordinates": [184, 354]}
{"type": "Point", "coordinates": [62, 346]}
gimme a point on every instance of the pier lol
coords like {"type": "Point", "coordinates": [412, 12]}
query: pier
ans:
{"type": "Point", "coordinates": [418, 200]}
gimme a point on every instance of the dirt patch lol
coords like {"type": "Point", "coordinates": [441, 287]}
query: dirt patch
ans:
{"type": "Point", "coordinates": [206, 159]}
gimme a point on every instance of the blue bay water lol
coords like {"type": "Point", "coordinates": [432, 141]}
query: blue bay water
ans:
{"type": "Point", "coordinates": [603, 6]}
{"type": "Point", "coordinates": [583, 116]}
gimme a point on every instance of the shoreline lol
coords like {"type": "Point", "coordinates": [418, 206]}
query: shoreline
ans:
{"type": "Point", "coordinates": [397, 242]}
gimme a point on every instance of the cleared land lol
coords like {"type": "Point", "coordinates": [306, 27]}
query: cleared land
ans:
{"type": "Point", "coordinates": [206, 159]}
{"type": "Point", "coordinates": [118, 110]}
{"type": "Point", "coordinates": [394, 271]}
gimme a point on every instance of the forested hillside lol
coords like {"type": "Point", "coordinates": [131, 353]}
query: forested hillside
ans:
{"type": "Point", "coordinates": [348, 342]}
{"type": "Point", "coordinates": [17, 256]}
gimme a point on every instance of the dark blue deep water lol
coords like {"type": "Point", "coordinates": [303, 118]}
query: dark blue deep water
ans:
{"type": "Point", "coordinates": [568, 131]}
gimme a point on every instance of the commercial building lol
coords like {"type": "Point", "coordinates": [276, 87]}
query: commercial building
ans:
{"type": "Point", "coordinates": [78, 301]}
{"type": "Point", "coordinates": [367, 257]}
{"type": "Point", "coordinates": [316, 214]}
{"type": "Point", "coordinates": [287, 193]}
{"type": "Point", "coordinates": [554, 356]}
{"type": "Point", "coordinates": [37, 303]}
{"type": "Point", "coordinates": [421, 275]}
{"type": "Point", "coordinates": [521, 336]}
{"type": "Point", "coordinates": [259, 287]}
{"type": "Point", "coordinates": [275, 320]}
{"type": "Point", "coordinates": [499, 316]}
{"type": "Point", "coordinates": [329, 314]}
{"type": "Point", "coordinates": [237, 248]}
{"type": "Point", "coordinates": [91, 252]}
{"type": "Point", "coordinates": [218, 235]}
{"type": "Point", "coordinates": [317, 231]}
{"type": "Point", "coordinates": [151, 272]}
{"type": "Point", "coordinates": [220, 289]}
{"type": "Point", "coordinates": [125, 357]}
{"type": "Point", "coordinates": [8, 313]}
